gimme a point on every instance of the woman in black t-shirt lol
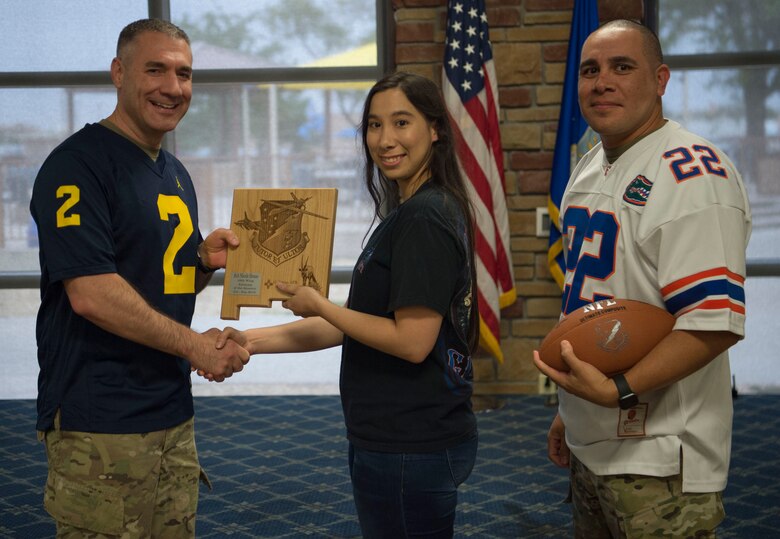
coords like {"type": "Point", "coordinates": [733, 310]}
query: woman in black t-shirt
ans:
{"type": "Point", "coordinates": [410, 323]}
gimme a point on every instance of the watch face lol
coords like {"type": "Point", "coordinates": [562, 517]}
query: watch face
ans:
{"type": "Point", "coordinates": [628, 401]}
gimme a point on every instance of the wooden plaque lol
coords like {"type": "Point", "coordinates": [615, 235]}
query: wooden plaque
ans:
{"type": "Point", "coordinates": [286, 235]}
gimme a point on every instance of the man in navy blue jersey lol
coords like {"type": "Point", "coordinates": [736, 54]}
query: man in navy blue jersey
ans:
{"type": "Point", "coordinates": [121, 261]}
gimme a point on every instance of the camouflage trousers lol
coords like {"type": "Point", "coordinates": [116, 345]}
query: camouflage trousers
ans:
{"type": "Point", "coordinates": [637, 506]}
{"type": "Point", "coordinates": [122, 485]}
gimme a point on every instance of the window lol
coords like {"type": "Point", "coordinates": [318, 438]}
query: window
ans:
{"type": "Point", "coordinates": [39, 36]}
{"type": "Point", "coordinates": [256, 122]}
{"type": "Point", "coordinates": [725, 61]}
{"type": "Point", "coordinates": [278, 92]}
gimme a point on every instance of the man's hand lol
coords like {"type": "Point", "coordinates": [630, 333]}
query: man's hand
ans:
{"type": "Point", "coordinates": [213, 251]}
{"type": "Point", "coordinates": [557, 450]}
{"type": "Point", "coordinates": [583, 379]}
{"type": "Point", "coordinates": [216, 364]}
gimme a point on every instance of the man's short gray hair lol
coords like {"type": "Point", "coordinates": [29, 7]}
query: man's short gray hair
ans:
{"type": "Point", "coordinates": [132, 30]}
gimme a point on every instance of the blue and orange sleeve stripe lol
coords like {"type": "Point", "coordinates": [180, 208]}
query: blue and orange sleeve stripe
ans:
{"type": "Point", "coordinates": [712, 289]}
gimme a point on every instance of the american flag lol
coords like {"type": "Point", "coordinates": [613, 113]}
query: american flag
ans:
{"type": "Point", "coordinates": [471, 93]}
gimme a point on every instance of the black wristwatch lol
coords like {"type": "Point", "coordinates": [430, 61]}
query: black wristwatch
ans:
{"type": "Point", "coordinates": [203, 267]}
{"type": "Point", "coordinates": [626, 397]}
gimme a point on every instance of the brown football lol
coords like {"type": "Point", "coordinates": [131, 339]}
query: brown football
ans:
{"type": "Point", "coordinates": [611, 334]}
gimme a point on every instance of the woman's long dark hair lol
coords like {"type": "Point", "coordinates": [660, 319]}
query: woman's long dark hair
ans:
{"type": "Point", "coordinates": [426, 98]}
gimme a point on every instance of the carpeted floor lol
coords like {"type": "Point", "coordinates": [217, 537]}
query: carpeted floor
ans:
{"type": "Point", "coordinates": [278, 466]}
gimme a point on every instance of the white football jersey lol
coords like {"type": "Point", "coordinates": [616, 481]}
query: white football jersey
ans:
{"type": "Point", "coordinates": [667, 223]}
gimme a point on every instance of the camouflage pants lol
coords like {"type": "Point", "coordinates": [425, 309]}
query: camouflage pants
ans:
{"type": "Point", "coordinates": [637, 506]}
{"type": "Point", "coordinates": [122, 485]}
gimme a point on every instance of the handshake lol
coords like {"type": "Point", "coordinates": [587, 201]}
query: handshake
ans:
{"type": "Point", "coordinates": [217, 354]}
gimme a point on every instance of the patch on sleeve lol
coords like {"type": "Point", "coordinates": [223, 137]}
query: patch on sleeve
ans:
{"type": "Point", "coordinates": [637, 191]}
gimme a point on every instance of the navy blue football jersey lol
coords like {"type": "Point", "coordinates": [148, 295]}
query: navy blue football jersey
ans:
{"type": "Point", "coordinates": [102, 205]}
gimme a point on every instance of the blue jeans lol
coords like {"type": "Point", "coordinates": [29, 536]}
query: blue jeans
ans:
{"type": "Point", "coordinates": [399, 495]}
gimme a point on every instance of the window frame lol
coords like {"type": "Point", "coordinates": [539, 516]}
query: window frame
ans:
{"type": "Point", "coordinates": [385, 31]}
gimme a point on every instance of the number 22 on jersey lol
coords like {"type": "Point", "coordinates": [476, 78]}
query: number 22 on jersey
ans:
{"type": "Point", "coordinates": [597, 234]}
{"type": "Point", "coordinates": [174, 283]}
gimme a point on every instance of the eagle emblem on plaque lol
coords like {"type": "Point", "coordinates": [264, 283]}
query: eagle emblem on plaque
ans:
{"type": "Point", "coordinates": [277, 235]}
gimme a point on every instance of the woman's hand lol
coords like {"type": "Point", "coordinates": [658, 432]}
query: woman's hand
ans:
{"type": "Point", "coordinates": [304, 301]}
{"type": "Point", "coordinates": [232, 334]}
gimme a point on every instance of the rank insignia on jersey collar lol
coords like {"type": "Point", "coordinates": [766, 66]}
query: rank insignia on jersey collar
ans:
{"type": "Point", "coordinates": [638, 191]}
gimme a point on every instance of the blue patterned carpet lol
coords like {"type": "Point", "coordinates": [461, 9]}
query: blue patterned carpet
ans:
{"type": "Point", "coordinates": [278, 466]}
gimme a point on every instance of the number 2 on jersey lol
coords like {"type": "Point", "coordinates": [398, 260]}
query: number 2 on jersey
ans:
{"type": "Point", "coordinates": [583, 229]}
{"type": "Point", "coordinates": [174, 283]}
{"type": "Point", "coordinates": [72, 195]}
{"type": "Point", "coordinates": [184, 282]}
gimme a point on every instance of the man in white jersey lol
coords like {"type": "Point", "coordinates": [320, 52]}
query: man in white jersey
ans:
{"type": "Point", "coordinates": [657, 214]}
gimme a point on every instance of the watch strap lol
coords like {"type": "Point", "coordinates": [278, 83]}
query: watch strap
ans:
{"type": "Point", "coordinates": [622, 385]}
{"type": "Point", "coordinates": [203, 267]}
{"type": "Point", "coordinates": [626, 396]}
